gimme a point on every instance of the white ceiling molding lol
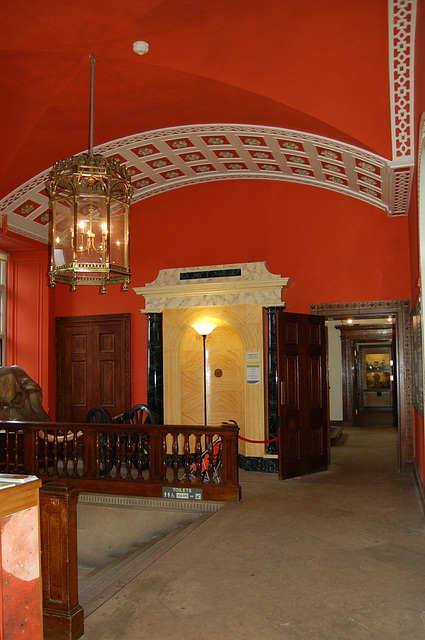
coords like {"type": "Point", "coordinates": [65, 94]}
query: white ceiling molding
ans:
{"type": "Point", "coordinates": [402, 25]}
{"type": "Point", "coordinates": [169, 158]}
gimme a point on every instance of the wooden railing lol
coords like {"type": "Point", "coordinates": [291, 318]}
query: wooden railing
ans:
{"type": "Point", "coordinates": [138, 460]}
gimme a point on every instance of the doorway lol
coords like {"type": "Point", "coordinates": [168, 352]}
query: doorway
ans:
{"type": "Point", "coordinates": [376, 401]}
{"type": "Point", "coordinates": [368, 355]}
{"type": "Point", "coordinates": [400, 311]}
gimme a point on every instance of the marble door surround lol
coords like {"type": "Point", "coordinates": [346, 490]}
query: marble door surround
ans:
{"type": "Point", "coordinates": [233, 297]}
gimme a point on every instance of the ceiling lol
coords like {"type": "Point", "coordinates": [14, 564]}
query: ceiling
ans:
{"type": "Point", "coordinates": [317, 92]}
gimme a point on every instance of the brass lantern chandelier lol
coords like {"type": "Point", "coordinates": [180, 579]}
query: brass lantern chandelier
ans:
{"type": "Point", "coordinates": [90, 199]}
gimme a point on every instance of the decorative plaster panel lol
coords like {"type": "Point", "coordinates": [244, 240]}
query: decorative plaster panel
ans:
{"type": "Point", "coordinates": [218, 285]}
{"type": "Point", "coordinates": [166, 159]}
{"type": "Point", "coordinates": [402, 21]}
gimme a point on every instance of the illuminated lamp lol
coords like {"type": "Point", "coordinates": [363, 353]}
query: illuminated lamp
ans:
{"type": "Point", "coordinates": [204, 329]}
{"type": "Point", "coordinates": [90, 199]}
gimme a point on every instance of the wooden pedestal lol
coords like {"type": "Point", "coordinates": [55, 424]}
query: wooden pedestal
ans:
{"type": "Point", "coordinates": [63, 618]}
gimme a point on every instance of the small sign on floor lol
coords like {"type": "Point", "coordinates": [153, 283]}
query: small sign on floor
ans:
{"type": "Point", "coordinates": [182, 493]}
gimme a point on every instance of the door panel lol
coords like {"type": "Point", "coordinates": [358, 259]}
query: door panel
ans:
{"type": "Point", "coordinates": [304, 424]}
{"type": "Point", "coordinates": [79, 384]}
{"type": "Point", "coordinates": [106, 384]}
{"type": "Point", "coordinates": [315, 379]}
{"type": "Point", "coordinates": [93, 365]}
{"type": "Point", "coordinates": [291, 384]}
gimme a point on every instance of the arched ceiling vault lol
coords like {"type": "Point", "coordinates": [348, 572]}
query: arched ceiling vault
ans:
{"type": "Point", "coordinates": [324, 93]}
{"type": "Point", "coordinates": [167, 159]}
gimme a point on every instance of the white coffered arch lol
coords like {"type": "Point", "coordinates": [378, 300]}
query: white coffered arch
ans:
{"type": "Point", "coordinates": [175, 157]}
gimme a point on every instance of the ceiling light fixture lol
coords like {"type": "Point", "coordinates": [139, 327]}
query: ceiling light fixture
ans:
{"type": "Point", "coordinates": [90, 199]}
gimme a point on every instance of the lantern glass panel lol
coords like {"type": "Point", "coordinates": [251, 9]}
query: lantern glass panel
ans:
{"type": "Point", "coordinates": [63, 220]}
{"type": "Point", "coordinates": [119, 234]}
{"type": "Point", "coordinates": [91, 230]}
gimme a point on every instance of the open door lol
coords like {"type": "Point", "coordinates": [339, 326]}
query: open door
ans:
{"type": "Point", "coordinates": [303, 394]}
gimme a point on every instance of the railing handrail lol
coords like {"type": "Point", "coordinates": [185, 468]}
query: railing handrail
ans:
{"type": "Point", "coordinates": [113, 426]}
{"type": "Point", "coordinates": [172, 448]}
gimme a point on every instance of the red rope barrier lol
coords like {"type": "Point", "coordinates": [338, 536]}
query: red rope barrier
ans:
{"type": "Point", "coordinates": [257, 441]}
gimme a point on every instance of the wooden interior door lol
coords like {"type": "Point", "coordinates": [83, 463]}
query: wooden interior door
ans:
{"type": "Point", "coordinates": [303, 394]}
{"type": "Point", "coordinates": [354, 372]}
{"type": "Point", "coordinates": [92, 365]}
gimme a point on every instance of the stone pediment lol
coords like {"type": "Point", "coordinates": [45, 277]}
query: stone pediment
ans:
{"type": "Point", "coordinates": [217, 285]}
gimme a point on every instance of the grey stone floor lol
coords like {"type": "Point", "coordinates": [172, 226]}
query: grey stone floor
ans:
{"type": "Point", "coordinates": [335, 555]}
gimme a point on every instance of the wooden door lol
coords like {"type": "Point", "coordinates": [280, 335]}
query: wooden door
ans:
{"type": "Point", "coordinates": [303, 394]}
{"type": "Point", "coordinates": [92, 365]}
{"type": "Point", "coordinates": [356, 383]}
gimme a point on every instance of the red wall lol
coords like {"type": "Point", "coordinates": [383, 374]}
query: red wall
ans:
{"type": "Point", "coordinates": [335, 248]}
{"type": "Point", "coordinates": [413, 213]}
{"type": "Point", "coordinates": [28, 323]}
{"type": "Point", "coordinates": [419, 441]}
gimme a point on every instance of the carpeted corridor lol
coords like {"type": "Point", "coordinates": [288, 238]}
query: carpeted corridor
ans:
{"type": "Point", "coordinates": [335, 555]}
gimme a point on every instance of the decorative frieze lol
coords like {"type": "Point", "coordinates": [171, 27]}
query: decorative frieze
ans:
{"type": "Point", "coordinates": [218, 285]}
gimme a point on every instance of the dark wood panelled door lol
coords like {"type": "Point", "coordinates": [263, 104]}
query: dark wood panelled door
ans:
{"type": "Point", "coordinates": [303, 394]}
{"type": "Point", "coordinates": [93, 365]}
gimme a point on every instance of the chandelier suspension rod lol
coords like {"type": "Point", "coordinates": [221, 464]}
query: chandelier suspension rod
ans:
{"type": "Point", "coordinates": [92, 63]}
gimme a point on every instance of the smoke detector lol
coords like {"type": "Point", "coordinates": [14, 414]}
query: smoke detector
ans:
{"type": "Point", "coordinates": [140, 47]}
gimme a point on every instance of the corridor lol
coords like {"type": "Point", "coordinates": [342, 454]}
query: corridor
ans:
{"type": "Point", "coordinates": [337, 555]}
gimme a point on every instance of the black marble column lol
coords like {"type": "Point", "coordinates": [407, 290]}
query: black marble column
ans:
{"type": "Point", "coordinates": [155, 366]}
{"type": "Point", "coordinates": [272, 378]}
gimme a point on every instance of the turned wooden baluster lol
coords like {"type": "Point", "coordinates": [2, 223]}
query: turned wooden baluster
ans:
{"type": "Point", "coordinates": [198, 451]}
{"type": "Point", "coordinates": [67, 446]}
{"type": "Point", "coordinates": [55, 453]}
{"type": "Point", "coordinates": [7, 449]}
{"type": "Point", "coordinates": [164, 457]}
{"type": "Point", "coordinates": [219, 459]}
{"type": "Point", "coordinates": [97, 454]}
{"type": "Point", "coordinates": [107, 455]}
{"type": "Point", "coordinates": [12, 450]}
{"type": "Point", "coordinates": [138, 452]}
{"type": "Point", "coordinates": [74, 455]}
{"type": "Point", "coordinates": [15, 451]}
{"type": "Point", "coordinates": [36, 451]}
{"type": "Point", "coordinates": [46, 453]}
{"type": "Point", "coordinates": [175, 450]}
{"type": "Point", "coordinates": [119, 455]}
{"type": "Point", "coordinates": [127, 452]}
{"type": "Point", "coordinates": [207, 459]}
{"type": "Point", "coordinates": [186, 458]}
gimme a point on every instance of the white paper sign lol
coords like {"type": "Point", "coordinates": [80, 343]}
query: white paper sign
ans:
{"type": "Point", "coordinates": [253, 374]}
{"type": "Point", "coordinates": [252, 356]}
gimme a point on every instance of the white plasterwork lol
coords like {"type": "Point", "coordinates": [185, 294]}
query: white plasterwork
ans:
{"type": "Point", "coordinates": [255, 285]}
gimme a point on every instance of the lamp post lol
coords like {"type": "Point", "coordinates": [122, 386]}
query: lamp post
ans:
{"type": "Point", "coordinates": [204, 329]}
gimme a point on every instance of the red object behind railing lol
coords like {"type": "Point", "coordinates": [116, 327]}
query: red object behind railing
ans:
{"type": "Point", "coordinates": [125, 459]}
